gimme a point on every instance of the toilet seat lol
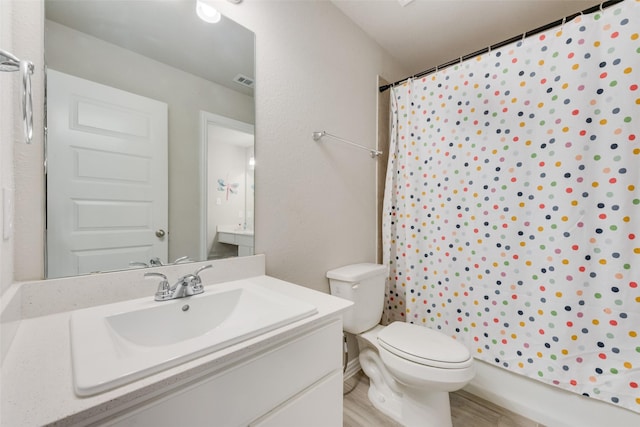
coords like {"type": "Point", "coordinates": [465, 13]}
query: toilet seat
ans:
{"type": "Point", "coordinates": [424, 346]}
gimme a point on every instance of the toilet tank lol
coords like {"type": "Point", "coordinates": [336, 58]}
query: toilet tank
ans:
{"type": "Point", "coordinates": [363, 284]}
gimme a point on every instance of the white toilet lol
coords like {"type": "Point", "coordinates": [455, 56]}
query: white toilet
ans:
{"type": "Point", "coordinates": [411, 368]}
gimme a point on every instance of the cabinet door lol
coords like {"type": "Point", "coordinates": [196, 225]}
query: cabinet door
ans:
{"type": "Point", "coordinates": [318, 406]}
{"type": "Point", "coordinates": [250, 389]}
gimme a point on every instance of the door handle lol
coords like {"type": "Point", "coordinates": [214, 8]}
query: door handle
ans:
{"type": "Point", "coordinates": [160, 233]}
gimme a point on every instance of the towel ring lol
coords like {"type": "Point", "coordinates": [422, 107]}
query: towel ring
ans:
{"type": "Point", "coordinates": [26, 67]}
{"type": "Point", "coordinates": [10, 63]}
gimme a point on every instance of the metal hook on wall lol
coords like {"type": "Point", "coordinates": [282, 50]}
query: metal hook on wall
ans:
{"type": "Point", "coordinates": [10, 63]}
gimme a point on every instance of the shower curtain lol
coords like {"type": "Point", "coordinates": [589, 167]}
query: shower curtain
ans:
{"type": "Point", "coordinates": [512, 205]}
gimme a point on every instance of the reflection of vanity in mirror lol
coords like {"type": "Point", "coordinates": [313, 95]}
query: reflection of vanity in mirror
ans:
{"type": "Point", "coordinates": [150, 138]}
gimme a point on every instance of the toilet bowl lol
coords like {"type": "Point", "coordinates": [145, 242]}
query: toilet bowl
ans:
{"type": "Point", "coordinates": [411, 368]}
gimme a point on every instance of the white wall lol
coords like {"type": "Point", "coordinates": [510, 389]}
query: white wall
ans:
{"type": "Point", "coordinates": [229, 163]}
{"type": "Point", "coordinates": [8, 84]}
{"type": "Point", "coordinates": [27, 245]}
{"type": "Point", "coordinates": [20, 34]}
{"type": "Point", "coordinates": [7, 113]}
{"type": "Point", "coordinates": [315, 202]}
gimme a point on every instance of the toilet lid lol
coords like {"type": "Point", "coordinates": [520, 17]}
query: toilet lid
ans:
{"type": "Point", "coordinates": [423, 345]}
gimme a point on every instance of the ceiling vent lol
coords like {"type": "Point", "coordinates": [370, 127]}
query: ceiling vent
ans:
{"type": "Point", "coordinates": [244, 80]}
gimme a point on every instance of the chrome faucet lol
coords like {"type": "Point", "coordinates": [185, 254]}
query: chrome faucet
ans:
{"type": "Point", "coordinates": [157, 262]}
{"type": "Point", "coordinates": [186, 286]}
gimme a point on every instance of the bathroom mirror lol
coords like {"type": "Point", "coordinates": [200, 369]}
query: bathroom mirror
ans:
{"type": "Point", "coordinates": [150, 137]}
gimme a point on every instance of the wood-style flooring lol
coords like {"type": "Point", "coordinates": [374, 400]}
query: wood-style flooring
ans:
{"type": "Point", "coordinates": [466, 410]}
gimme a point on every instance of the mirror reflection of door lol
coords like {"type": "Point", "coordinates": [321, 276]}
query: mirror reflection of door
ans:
{"type": "Point", "coordinates": [175, 58]}
{"type": "Point", "coordinates": [228, 150]}
{"type": "Point", "coordinates": [107, 166]}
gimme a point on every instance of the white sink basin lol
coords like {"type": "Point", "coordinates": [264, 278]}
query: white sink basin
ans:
{"type": "Point", "coordinates": [114, 344]}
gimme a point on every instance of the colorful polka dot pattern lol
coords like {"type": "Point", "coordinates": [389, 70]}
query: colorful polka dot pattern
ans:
{"type": "Point", "coordinates": [513, 208]}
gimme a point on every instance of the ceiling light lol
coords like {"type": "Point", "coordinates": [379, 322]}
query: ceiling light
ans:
{"type": "Point", "coordinates": [207, 12]}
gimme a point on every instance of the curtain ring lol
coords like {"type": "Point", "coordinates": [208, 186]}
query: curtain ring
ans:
{"type": "Point", "coordinates": [601, 9]}
{"type": "Point", "coordinates": [564, 20]}
{"type": "Point", "coordinates": [26, 69]}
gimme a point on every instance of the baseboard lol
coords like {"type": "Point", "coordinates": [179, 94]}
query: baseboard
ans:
{"type": "Point", "coordinates": [353, 367]}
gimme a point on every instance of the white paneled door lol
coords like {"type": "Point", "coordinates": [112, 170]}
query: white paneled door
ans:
{"type": "Point", "coordinates": [106, 177]}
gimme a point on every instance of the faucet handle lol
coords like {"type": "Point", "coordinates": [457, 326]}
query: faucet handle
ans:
{"type": "Point", "coordinates": [164, 290]}
{"type": "Point", "coordinates": [197, 282]}
{"type": "Point", "coordinates": [182, 259]}
{"type": "Point", "coordinates": [155, 274]}
{"type": "Point", "coordinates": [197, 272]}
{"type": "Point", "coordinates": [155, 262]}
{"type": "Point", "coordinates": [138, 264]}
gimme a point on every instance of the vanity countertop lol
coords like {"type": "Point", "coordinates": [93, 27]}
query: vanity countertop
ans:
{"type": "Point", "coordinates": [37, 383]}
{"type": "Point", "coordinates": [234, 230]}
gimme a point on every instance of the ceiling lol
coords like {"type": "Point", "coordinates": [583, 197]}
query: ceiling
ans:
{"type": "Point", "coordinates": [420, 35]}
{"type": "Point", "coordinates": [427, 33]}
{"type": "Point", "coordinates": [175, 35]}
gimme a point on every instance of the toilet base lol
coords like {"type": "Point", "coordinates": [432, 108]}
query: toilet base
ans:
{"type": "Point", "coordinates": [392, 408]}
{"type": "Point", "coordinates": [424, 406]}
{"type": "Point", "coordinates": [383, 392]}
{"type": "Point", "coordinates": [417, 408]}
{"type": "Point", "coordinates": [426, 409]}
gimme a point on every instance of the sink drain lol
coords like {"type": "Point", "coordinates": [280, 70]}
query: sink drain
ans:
{"type": "Point", "coordinates": [185, 307]}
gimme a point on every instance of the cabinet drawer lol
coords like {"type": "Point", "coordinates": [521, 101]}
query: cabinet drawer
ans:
{"type": "Point", "coordinates": [318, 406]}
{"type": "Point", "coordinates": [244, 240]}
{"type": "Point", "coordinates": [244, 392]}
{"type": "Point", "coordinates": [227, 238]}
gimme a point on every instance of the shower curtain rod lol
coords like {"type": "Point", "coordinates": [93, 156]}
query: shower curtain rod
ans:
{"type": "Point", "coordinates": [538, 30]}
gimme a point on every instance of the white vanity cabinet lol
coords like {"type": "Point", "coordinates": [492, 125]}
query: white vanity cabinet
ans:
{"type": "Point", "coordinates": [243, 239]}
{"type": "Point", "coordinates": [297, 382]}
{"type": "Point", "coordinates": [287, 376]}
